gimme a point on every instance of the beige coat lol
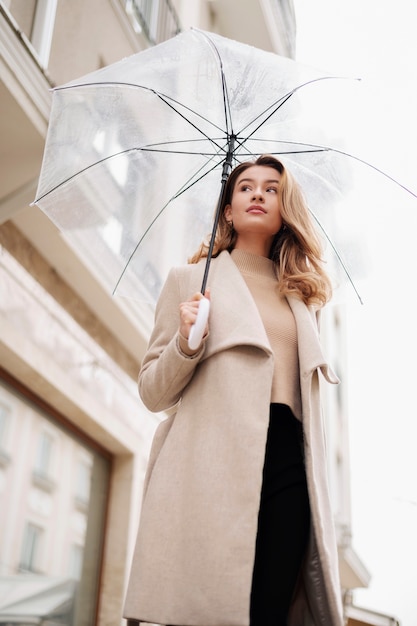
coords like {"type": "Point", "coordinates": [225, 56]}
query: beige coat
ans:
{"type": "Point", "coordinates": [195, 549]}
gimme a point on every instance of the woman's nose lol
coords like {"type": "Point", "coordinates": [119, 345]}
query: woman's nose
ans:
{"type": "Point", "coordinates": [257, 193]}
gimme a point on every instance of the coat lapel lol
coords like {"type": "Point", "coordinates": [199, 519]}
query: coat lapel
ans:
{"type": "Point", "coordinates": [234, 316]}
{"type": "Point", "coordinates": [310, 353]}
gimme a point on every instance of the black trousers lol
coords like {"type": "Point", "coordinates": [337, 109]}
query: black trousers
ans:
{"type": "Point", "coordinates": [283, 522]}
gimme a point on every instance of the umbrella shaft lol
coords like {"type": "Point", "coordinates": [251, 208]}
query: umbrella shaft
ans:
{"type": "Point", "coordinates": [227, 166]}
{"type": "Point", "coordinates": [213, 236]}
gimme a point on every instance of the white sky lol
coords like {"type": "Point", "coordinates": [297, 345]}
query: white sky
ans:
{"type": "Point", "coordinates": [376, 40]}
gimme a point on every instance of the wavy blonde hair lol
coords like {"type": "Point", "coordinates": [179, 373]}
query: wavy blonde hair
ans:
{"type": "Point", "coordinates": [296, 251]}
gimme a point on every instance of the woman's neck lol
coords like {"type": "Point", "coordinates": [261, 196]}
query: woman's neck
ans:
{"type": "Point", "coordinates": [260, 247]}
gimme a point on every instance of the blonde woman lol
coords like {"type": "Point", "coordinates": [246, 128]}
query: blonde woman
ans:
{"type": "Point", "coordinates": [236, 526]}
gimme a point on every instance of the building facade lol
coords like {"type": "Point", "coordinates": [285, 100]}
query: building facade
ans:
{"type": "Point", "coordinates": [74, 437]}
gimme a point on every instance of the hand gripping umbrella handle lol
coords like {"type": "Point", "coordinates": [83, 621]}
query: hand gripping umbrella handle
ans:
{"type": "Point", "coordinates": [198, 328]}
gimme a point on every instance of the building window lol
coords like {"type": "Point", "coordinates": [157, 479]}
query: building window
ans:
{"type": "Point", "coordinates": [82, 485]}
{"type": "Point", "coordinates": [4, 424]}
{"type": "Point", "coordinates": [36, 19]}
{"type": "Point", "coordinates": [44, 454]}
{"type": "Point", "coordinates": [4, 434]}
{"type": "Point", "coordinates": [156, 18]}
{"type": "Point", "coordinates": [31, 548]}
{"type": "Point", "coordinates": [76, 562]}
{"type": "Point", "coordinates": [42, 471]}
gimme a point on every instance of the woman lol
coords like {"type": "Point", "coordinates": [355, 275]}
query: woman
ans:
{"type": "Point", "coordinates": [236, 526]}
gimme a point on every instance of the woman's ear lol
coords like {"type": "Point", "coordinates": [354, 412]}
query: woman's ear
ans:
{"type": "Point", "coordinates": [228, 212]}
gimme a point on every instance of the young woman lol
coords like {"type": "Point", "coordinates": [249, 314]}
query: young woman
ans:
{"type": "Point", "coordinates": [236, 526]}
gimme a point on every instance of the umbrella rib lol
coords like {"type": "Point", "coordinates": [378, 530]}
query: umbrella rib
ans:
{"type": "Point", "coordinates": [279, 152]}
{"type": "Point", "coordinates": [154, 147]}
{"type": "Point", "coordinates": [283, 99]}
{"type": "Point", "coordinates": [199, 130]}
{"type": "Point", "coordinates": [187, 185]}
{"type": "Point", "coordinates": [281, 103]}
{"type": "Point", "coordinates": [319, 148]}
{"type": "Point", "coordinates": [190, 183]}
{"type": "Point", "coordinates": [226, 100]}
{"type": "Point", "coordinates": [84, 169]}
{"type": "Point", "coordinates": [251, 153]}
{"type": "Point", "coordinates": [375, 168]}
{"type": "Point", "coordinates": [116, 154]}
{"type": "Point", "coordinates": [190, 153]}
{"type": "Point", "coordinates": [179, 141]}
{"type": "Point", "coordinates": [335, 250]}
{"type": "Point", "coordinates": [164, 97]}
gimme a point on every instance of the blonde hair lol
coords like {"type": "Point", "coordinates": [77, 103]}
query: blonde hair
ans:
{"type": "Point", "coordinates": [296, 250]}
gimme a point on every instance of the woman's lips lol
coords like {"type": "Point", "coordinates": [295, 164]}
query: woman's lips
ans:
{"type": "Point", "coordinates": [255, 209]}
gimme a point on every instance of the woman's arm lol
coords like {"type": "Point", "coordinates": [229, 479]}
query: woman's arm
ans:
{"type": "Point", "coordinates": [166, 367]}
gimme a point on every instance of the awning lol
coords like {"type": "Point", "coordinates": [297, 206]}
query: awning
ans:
{"type": "Point", "coordinates": [34, 599]}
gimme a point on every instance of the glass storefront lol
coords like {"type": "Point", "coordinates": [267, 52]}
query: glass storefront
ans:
{"type": "Point", "coordinates": [53, 497]}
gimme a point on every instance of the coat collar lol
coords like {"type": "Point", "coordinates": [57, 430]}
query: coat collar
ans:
{"type": "Point", "coordinates": [235, 319]}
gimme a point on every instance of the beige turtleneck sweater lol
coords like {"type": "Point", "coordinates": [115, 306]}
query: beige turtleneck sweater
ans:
{"type": "Point", "coordinates": [279, 323]}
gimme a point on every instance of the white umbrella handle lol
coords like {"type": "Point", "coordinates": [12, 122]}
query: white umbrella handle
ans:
{"type": "Point", "coordinates": [198, 328]}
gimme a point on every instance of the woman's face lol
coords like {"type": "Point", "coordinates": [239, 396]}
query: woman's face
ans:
{"type": "Point", "coordinates": [255, 209]}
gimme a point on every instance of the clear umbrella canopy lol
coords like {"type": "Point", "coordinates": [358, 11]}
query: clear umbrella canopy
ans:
{"type": "Point", "coordinates": [135, 152]}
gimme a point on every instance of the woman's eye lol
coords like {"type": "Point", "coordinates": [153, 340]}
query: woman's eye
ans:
{"type": "Point", "coordinates": [273, 189]}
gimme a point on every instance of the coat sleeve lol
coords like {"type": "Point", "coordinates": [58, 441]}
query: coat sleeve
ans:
{"type": "Point", "coordinates": [165, 369]}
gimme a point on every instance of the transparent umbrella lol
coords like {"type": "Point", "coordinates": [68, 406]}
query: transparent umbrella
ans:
{"type": "Point", "coordinates": [138, 153]}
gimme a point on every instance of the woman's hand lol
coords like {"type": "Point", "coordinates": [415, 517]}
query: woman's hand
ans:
{"type": "Point", "coordinates": [188, 313]}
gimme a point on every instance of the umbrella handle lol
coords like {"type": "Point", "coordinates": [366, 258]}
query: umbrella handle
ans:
{"type": "Point", "coordinates": [198, 328]}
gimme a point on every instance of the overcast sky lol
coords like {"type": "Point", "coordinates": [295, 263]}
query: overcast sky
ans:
{"type": "Point", "coordinates": [375, 40]}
